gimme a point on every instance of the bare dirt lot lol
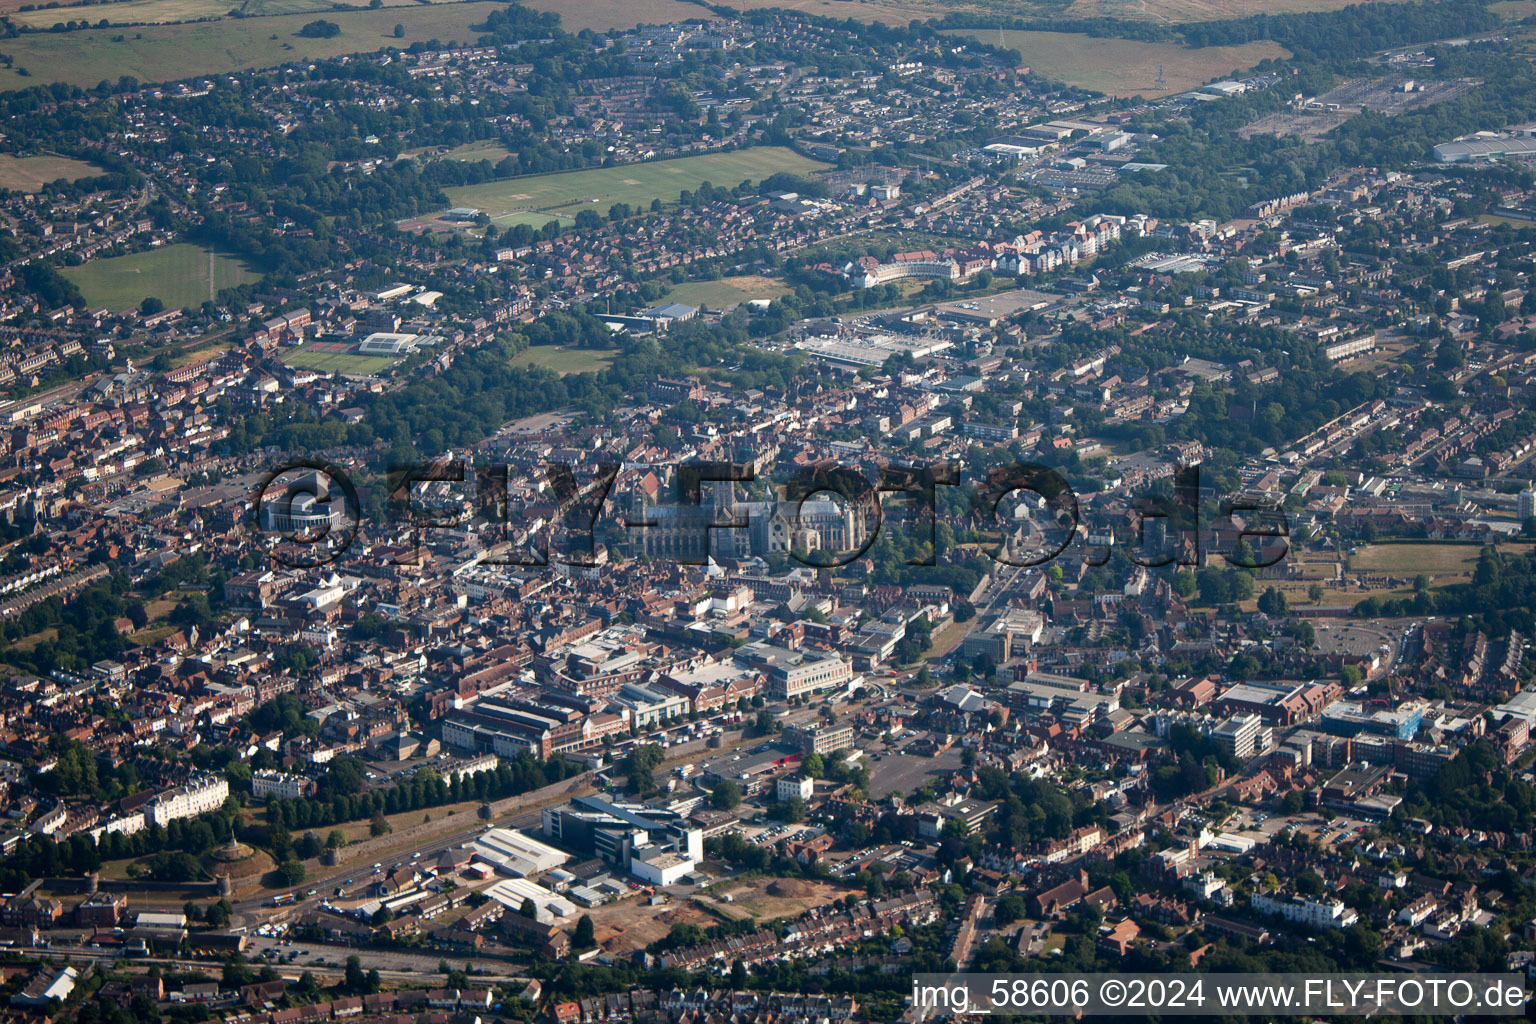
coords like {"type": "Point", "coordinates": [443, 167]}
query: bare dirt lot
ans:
{"type": "Point", "coordinates": [632, 924]}
{"type": "Point", "coordinates": [1327, 112]}
{"type": "Point", "coordinates": [770, 898]}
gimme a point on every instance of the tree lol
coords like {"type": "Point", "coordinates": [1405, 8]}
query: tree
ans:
{"type": "Point", "coordinates": [640, 766]}
{"type": "Point", "coordinates": [726, 795]}
{"type": "Point", "coordinates": [1272, 602]}
{"type": "Point", "coordinates": [291, 872]}
{"type": "Point", "coordinates": [585, 936]}
{"type": "Point", "coordinates": [218, 915]}
{"type": "Point", "coordinates": [355, 980]}
{"type": "Point", "coordinates": [378, 825]}
{"type": "Point", "coordinates": [1009, 909]}
{"type": "Point", "coordinates": [813, 767]}
{"type": "Point", "coordinates": [738, 975]}
{"type": "Point", "coordinates": [151, 305]}
{"type": "Point", "coordinates": [1350, 676]}
{"type": "Point", "coordinates": [528, 909]}
{"type": "Point", "coordinates": [399, 31]}
{"type": "Point", "coordinates": [1315, 593]}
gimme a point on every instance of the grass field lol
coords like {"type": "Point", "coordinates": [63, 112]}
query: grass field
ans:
{"type": "Point", "coordinates": [177, 275]}
{"type": "Point", "coordinates": [564, 360]}
{"type": "Point", "coordinates": [1514, 10]}
{"type": "Point", "coordinates": [31, 173]}
{"type": "Point", "coordinates": [306, 358]}
{"type": "Point", "coordinates": [1429, 558]}
{"type": "Point", "coordinates": [532, 219]}
{"type": "Point", "coordinates": [727, 292]}
{"type": "Point", "coordinates": [635, 184]}
{"type": "Point", "coordinates": [1126, 67]}
{"type": "Point", "coordinates": [162, 53]}
{"type": "Point", "coordinates": [202, 355]}
{"type": "Point", "coordinates": [476, 151]}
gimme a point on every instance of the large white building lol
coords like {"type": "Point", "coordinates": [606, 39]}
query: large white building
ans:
{"type": "Point", "coordinates": [512, 853]}
{"type": "Point", "coordinates": [267, 783]}
{"type": "Point", "coordinates": [1300, 910]}
{"type": "Point", "coordinates": [202, 794]}
{"type": "Point", "coordinates": [793, 673]}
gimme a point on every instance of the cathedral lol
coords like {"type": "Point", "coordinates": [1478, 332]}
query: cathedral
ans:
{"type": "Point", "coordinates": [692, 534]}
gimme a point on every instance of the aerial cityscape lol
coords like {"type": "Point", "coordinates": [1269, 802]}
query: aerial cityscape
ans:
{"type": "Point", "coordinates": [659, 511]}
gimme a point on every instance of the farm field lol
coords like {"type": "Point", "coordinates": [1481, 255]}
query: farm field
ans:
{"type": "Point", "coordinates": [308, 357]}
{"type": "Point", "coordinates": [899, 12]}
{"type": "Point", "coordinates": [564, 360]}
{"type": "Point", "coordinates": [177, 275]}
{"type": "Point", "coordinates": [726, 292]}
{"type": "Point", "coordinates": [1197, 10]}
{"type": "Point", "coordinates": [31, 173]}
{"type": "Point", "coordinates": [607, 15]}
{"type": "Point", "coordinates": [635, 184]}
{"type": "Point", "coordinates": [161, 53]}
{"type": "Point", "coordinates": [1514, 10]}
{"type": "Point", "coordinates": [160, 12]}
{"type": "Point", "coordinates": [892, 13]}
{"type": "Point", "coordinates": [1126, 67]}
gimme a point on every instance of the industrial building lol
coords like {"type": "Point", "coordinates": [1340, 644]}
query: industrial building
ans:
{"type": "Point", "coordinates": [1484, 147]}
{"type": "Point", "coordinates": [512, 892]}
{"type": "Point", "coordinates": [512, 853]}
{"type": "Point", "coordinates": [622, 834]}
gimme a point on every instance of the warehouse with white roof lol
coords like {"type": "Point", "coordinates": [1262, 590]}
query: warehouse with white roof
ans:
{"type": "Point", "coordinates": [512, 853]}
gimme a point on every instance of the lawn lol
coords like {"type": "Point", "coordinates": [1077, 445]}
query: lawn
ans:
{"type": "Point", "coordinates": [476, 151]}
{"type": "Point", "coordinates": [31, 173]}
{"type": "Point", "coordinates": [532, 219]}
{"type": "Point", "coordinates": [177, 275]}
{"type": "Point", "coordinates": [1126, 67]}
{"type": "Point", "coordinates": [307, 358]}
{"type": "Point", "coordinates": [635, 184]}
{"type": "Point", "coordinates": [1433, 559]}
{"type": "Point", "coordinates": [727, 292]}
{"type": "Point", "coordinates": [564, 360]}
{"type": "Point", "coordinates": [162, 53]}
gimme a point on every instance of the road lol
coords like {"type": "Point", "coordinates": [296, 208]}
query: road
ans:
{"type": "Point", "coordinates": [335, 966]}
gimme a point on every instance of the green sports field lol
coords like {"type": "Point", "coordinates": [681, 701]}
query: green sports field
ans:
{"type": "Point", "coordinates": [728, 291]}
{"type": "Point", "coordinates": [177, 275]}
{"type": "Point", "coordinates": [564, 360]}
{"type": "Point", "coordinates": [306, 358]}
{"type": "Point", "coordinates": [635, 184]}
